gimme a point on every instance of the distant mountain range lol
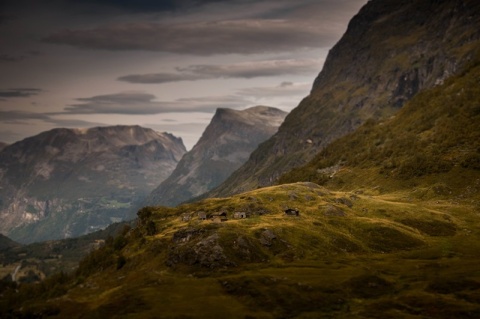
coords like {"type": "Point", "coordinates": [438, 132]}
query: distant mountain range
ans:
{"type": "Point", "coordinates": [225, 145]}
{"type": "Point", "coordinates": [68, 182]}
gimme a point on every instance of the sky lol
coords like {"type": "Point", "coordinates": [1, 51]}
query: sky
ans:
{"type": "Point", "coordinates": [163, 64]}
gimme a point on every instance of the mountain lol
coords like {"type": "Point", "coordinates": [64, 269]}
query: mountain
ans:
{"type": "Point", "coordinates": [431, 148]}
{"type": "Point", "coordinates": [3, 145]}
{"type": "Point", "coordinates": [225, 145]}
{"type": "Point", "coordinates": [392, 232]}
{"type": "Point", "coordinates": [390, 51]}
{"type": "Point", "coordinates": [68, 182]}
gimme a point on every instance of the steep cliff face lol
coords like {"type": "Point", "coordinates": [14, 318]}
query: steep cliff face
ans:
{"type": "Point", "coordinates": [67, 182]}
{"type": "Point", "coordinates": [391, 50]}
{"type": "Point", "coordinates": [225, 145]}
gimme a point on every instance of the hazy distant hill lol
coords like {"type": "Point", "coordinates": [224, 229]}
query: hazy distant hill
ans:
{"type": "Point", "coordinates": [391, 51]}
{"type": "Point", "coordinates": [68, 182]}
{"type": "Point", "coordinates": [7, 243]}
{"type": "Point", "coordinates": [225, 145]}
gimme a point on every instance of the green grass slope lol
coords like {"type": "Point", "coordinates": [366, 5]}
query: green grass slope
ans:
{"type": "Point", "coordinates": [347, 255]}
{"type": "Point", "coordinates": [431, 148]}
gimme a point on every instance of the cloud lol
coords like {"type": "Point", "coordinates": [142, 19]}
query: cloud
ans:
{"type": "Point", "coordinates": [21, 117]}
{"type": "Point", "coordinates": [72, 122]}
{"type": "Point", "coordinates": [248, 36]}
{"type": "Point", "coordinates": [15, 116]}
{"type": "Point", "coordinates": [282, 90]}
{"type": "Point", "coordinates": [19, 92]}
{"type": "Point", "coordinates": [156, 78]}
{"type": "Point", "coordinates": [11, 58]}
{"type": "Point", "coordinates": [144, 103]}
{"type": "Point", "coordinates": [246, 70]}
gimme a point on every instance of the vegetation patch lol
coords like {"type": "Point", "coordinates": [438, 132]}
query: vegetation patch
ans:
{"type": "Point", "coordinates": [369, 286]}
{"type": "Point", "coordinates": [431, 227]}
{"type": "Point", "coordinates": [387, 239]}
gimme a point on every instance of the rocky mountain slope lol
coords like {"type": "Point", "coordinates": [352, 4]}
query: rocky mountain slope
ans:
{"type": "Point", "coordinates": [430, 148]}
{"type": "Point", "coordinates": [225, 145]}
{"type": "Point", "coordinates": [68, 182]}
{"type": "Point", "coordinates": [391, 50]}
{"type": "Point", "coordinates": [3, 145]}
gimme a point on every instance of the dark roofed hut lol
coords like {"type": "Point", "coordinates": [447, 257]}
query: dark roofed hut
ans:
{"type": "Point", "coordinates": [292, 212]}
{"type": "Point", "coordinates": [219, 217]}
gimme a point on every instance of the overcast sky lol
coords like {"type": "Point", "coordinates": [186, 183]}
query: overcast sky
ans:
{"type": "Point", "coordinates": [167, 65]}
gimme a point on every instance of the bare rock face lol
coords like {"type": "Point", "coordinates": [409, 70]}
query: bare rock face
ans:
{"type": "Point", "coordinates": [68, 182]}
{"type": "Point", "coordinates": [391, 50]}
{"type": "Point", "coordinates": [225, 145]}
{"type": "Point", "coordinates": [191, 248]}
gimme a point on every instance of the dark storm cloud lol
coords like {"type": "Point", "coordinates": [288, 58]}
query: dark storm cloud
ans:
{"type": "Point", "coordinates": [200, 38]}
{"type": "Point", "coordinates": [246, 70]}
{"type": "Point", "coordinates": [18, 92]}
{"type": "Point", "coordinates": [144, 103]}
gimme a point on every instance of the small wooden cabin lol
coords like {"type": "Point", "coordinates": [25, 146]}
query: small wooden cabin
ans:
{"type": "Point", "coordinates": [219, 217]}
{"type": "Point", "coordinates": [239, 215]}
{"type": "Point", "coordinates": [292, 212]}
{"type": "Point", "coordinates": [202, 215]}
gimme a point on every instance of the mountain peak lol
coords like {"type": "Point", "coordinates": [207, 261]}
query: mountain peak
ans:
{"type": "Point", "coordinates": [225, 144]}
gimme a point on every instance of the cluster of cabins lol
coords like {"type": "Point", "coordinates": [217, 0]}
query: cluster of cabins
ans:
{"type": "Point", "coordinates": [223, 216]}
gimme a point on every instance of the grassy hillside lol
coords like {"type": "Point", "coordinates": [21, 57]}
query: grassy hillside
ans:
{"type": "Point", "coordinates": [347, 255]}
{"type": "Point", "coordinates": [430, 148]}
